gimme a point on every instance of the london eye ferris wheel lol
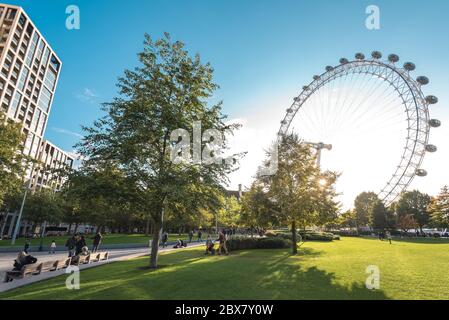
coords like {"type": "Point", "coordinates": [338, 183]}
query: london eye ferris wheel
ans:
{"type": "Point", "coordinates": [371, 110]}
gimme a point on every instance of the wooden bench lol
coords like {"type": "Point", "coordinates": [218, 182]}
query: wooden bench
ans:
{"type": "Point", "coordinates": [28, 269]}
{"type": "Point", "coordinates": [63, 263]}
{"type": "Point", "coordinates": [48, 266]}
{"type": "Point", "coordinates": [94, 257]}
{"type": "Point", "coordinates": [103, 256]}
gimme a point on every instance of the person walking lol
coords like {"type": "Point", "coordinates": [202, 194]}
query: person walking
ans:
{"type": "Point", "coordinates": [190, 235]}
{"type": "Point", "coordinates": [96, 242]}
{"type": "Point", "coordinates": [200, 235]}
{"type": "Point", "coordinates": [164, 239]}
{"type": "Point", "coordinates": [70, 245]}
{"type": "Point", "coordinates": [389, 236]}
{"type": "Point", "coordinates": [222, 243]}
{"type": "Point", "coordinates": [79, 245]}
{"type": "Point", "coordinates": [26, 246]}
{"type": "Point", "coordinates": [53, 247]}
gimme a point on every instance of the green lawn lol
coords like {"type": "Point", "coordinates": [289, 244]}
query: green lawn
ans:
{"type": "Point", "coordinates": [415, 269]}
{"type": "Point", "coordinates": [107, 239]}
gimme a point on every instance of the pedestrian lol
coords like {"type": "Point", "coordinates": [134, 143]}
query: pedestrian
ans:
{"type": "Point", "coordinates": [190, 235]}
{"type": "Point", "coordinates": [222, 243]}
{"type": "Point", "coordinates": [200, 235]}
{"type": "Point", "coordinates": [70, 245]}
{"type": "Point", "coordinates": [53, 247]}
{"type": "Point", "coordinates": [26, 246]}
{"type": "Point", "coordinates": [79, 245]}
{"type": "Point", "coordinates": [164, 239]}
{"type": "Point", "coordinates": [389, 236]}
{"type": "Point", "coordinates": [96, 242]}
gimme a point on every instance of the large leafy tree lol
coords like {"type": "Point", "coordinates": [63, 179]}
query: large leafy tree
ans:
{"type": "Point", "coordinates": [302, 194]}
{"type": "Point", "coordinates": [167, 92]}
{"type": "Point", "coordinates": [416, 204]}
{"type": "Point", "coordinates": [363, 205]}
{"type": "Point", "coordinates": [43, 206]}
{"type": "Point", "coordinates": [439, 209]}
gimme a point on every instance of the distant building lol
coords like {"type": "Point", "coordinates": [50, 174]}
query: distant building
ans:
{"type": "Point", "coordinates": [29, 73]}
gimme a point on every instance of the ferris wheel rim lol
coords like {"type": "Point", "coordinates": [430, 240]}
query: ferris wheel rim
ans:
{"type": "Point", "coordinates": [415, 103]}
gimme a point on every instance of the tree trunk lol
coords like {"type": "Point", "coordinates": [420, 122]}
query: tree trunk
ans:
{"type": "Point", "coordinates": [147, 227]}
{"type": "Point", "coordinates": [76, 228]}
{"type": "Point", "coordinates": [98, 228]}
{"type": "Point", "coordinates": [155, 244]}
{"type": "Point", "coordinates": [294, 246]}
{"type": "Point", "coordinates": [69, 228]}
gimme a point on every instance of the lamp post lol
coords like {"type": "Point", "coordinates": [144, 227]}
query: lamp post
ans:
{"type": "Point", "coordinates": [318, 146]}
{"type": "Point", "coordinates": [16, 229]}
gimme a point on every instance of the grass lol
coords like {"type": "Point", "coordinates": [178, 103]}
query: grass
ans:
{"type": "Point", "coordinates": [415, 269]}
{"type": "Point", "coordinates": [107, 239]}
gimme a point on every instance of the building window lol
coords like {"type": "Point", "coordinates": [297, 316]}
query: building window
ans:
{"type": "Point", "coordinates": [23, 77]}
{"type": "Point", "coordinates": [45, 99]}
{"type": "Point", "coordinates": [14, 105]}
{"type": "Point", "coordinates": [50, 79]}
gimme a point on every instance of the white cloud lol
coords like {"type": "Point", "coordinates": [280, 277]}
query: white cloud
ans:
{"type": "Point", "coordinates": [88, 96]}
{"type": "Point", "coordinates": [67, 132]}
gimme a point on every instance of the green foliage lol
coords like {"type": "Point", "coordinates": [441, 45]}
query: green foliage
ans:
{"type": "Point", "coordinates": [363, 206]}
{"type": "Point", "coordinates": [243, 243]}
{"type": "Point", "coordinates": [439, 209]}
{"type": "Point", "coordinates": [416, 204]}
{"type": "Point", "coordinates": [11, 159]}
{"type": "Point", "coordinates": [43, 205]}
{"type": "Point", "coordinates": [311, 236]}
{"type": "Point", "coordinates": [166, 92]}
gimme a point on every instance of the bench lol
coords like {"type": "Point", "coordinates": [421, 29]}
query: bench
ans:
{"type": "Point", "coordinates": [103, 256]}
{"type": "Point", "coordinates": [63, 263]}
{"type": "Point", "coordinates": [34, 268]}
{"type": "Point", "coordinates": [94, 257]}
{"type": "Point", "coordinates": [48, 266]}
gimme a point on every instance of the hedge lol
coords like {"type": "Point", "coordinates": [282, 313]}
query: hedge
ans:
{"type": "Point", "coordinates": [311, 236]}
{"type": "Point", "coordinates": [242, 243]}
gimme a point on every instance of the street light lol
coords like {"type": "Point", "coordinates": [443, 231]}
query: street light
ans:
{"type": "Point", "coordinates": [16, 229]}
{"type": "Point", "coordinates": [319, 146]}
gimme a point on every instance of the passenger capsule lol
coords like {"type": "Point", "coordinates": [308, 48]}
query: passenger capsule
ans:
{"type": "Point", "coordinates": [329, 68]}
{"type": "Point", "coordinates": [376, 55]}
{"type": "Point", "coordinates": [393, 58]}
{"type": "Point", "coordinates": [431, 99]}
{"type": "Point", "coordinates": [422, 80]}
{"type": "Point", "coordinates": [289, 110]}
{"type": "Point", "coordinates": [344, 61]}
{"type": "Point", "coordinates": [434, 123]}
{"type": "Point", "coordinates": [409, 66]}
{"type": "Point", "coordinates": [421, 172]}
{"type": "Point", "coordinates": [316, 77]}
{"type": "Point", "coordinates": [359, 56]}
{"type": "Point", "coordinates": [305, 88]}
{"type": "Point", "coordinates": [431, 148]}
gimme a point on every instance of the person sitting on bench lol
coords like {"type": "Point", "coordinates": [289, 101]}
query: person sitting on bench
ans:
{"type": "Point", "coordinates": [22, 260]}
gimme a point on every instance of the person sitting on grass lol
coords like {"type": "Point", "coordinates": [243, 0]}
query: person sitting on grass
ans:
{"type": "Point", "coordinates": [210, 246]}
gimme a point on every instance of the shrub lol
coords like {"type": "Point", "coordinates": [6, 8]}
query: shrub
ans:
{"type": "Point", "coordinates": [242, 243]}
{"type": "Point", "coordinates": [311, 236]}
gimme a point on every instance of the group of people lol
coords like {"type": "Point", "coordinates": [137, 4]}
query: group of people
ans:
{"type": "Point", "coordinates": [23, 259]}
{"type": "Point", "coordinates": [77, 245]}
{"type": "Point", "coordinates": [222, 239]}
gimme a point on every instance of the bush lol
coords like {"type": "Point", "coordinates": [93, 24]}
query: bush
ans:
{"type": "Point", "coordinates": [243, 243]}
{"type": "Point", "coordinates": [310, 236]}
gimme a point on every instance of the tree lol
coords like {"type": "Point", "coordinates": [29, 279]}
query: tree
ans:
{"type": "Point", "coordinates": [257, 209]}
{"type": "Point", "coordinates": [302, 194]}
{"type": "Point", "coordinates": [363, 205]}
{"type": "Point", "coordinates": [43, 206]}
{"type": "Point", "coordinates": [230, 213]}
{"type": "Point", "coordinates": [416, 204]}
{"type": "Point", "coordinates": [12, 169]}
{"type": "Point", "coordinates": [347, 219]}
{"type": "Point", "coordinates": [439, 209]}
{"type": "Point", "coordinates": [406, 222]}
{"type": "Point", "coordinates": [165, 96]}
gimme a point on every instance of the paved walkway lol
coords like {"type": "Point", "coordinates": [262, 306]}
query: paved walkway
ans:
{"type": "Point", "coordinates": [6, 260]}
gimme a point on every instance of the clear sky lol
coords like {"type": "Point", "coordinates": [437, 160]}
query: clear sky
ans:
{"type": "Point", "coordinates": [263, 52]}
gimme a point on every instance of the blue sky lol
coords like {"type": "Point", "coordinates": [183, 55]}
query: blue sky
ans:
{"type": "Point", "coordinates": [263, 51]}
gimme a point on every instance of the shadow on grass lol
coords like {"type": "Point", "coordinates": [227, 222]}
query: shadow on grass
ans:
{"type": "Point", "coordinates": [251, 274]}
{"type": "Point", "coordinates": [412, 240]}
